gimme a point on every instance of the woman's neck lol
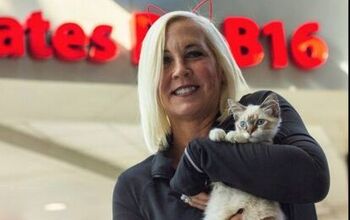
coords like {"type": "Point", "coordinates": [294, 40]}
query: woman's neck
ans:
{"type": "Point", "coordinates": [183, 131]}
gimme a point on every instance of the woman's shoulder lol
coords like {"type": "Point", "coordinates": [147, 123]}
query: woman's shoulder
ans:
{"type": "Point", "coordinates": [256, 97]}
{"type": "Point", "coordinates": [139, 172]}
{"type": "Point", "coordinates": [131, 183]}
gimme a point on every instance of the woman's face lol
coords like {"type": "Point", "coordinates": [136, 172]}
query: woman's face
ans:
{"type": "Point", "coordinates": [190, 82]}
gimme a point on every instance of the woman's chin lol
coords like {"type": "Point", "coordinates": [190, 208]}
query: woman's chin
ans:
{"type": "Point", "coordinates": [190, 113]}
{"type": "Point", "coordinates": [187, 114]}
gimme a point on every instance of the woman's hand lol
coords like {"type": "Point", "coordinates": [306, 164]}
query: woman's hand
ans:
{"type": "Point", "coordinates": [198, 201]}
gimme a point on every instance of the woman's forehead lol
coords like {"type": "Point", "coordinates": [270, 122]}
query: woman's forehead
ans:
{"type": "Point", "coordinates": [184, 30]}
{"type": "Point", "coordinates": [180, 24]}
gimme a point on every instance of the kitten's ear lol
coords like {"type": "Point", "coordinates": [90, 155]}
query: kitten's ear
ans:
{"type": "Point", "coordinates": [270, 105]}
{"type": "Point", "coordinates": [235, 108]}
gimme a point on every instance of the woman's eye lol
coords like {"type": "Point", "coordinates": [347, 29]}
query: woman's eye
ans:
{"type": "Point", "coordinates": [194, 54]}
{"type": "Point", "coordinates": [260, 121]}
{"type": "Point", "coordinates": [243, 124]}
{"type": "Point", "coordinates": [166, 60]}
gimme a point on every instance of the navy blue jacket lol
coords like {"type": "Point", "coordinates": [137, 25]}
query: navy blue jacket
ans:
{"type": "Point", "coordinates": [292, 171]}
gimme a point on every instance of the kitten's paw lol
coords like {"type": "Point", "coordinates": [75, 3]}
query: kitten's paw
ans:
{"type": "Point", "coordinates": [217, 134]}
{"type": "Point", "coordinates": [230, 137]}
{"type": "Point", "coordinates": [242, 138]}
{"type": "Point", "coordinates": [235, 137]}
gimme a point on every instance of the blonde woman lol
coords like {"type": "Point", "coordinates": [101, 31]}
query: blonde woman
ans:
{"type": "Point", "coordinates": [186, 74]}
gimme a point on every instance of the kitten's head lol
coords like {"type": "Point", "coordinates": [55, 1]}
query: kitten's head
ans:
{"type": "Point", "coordinates": [260, 122]}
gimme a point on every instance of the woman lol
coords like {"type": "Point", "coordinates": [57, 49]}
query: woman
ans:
{"type": "Point", "coordinates": [186, 73]}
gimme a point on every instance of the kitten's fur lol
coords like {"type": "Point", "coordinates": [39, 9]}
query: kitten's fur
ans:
{"type": "Point", "coordinates": [226, 201]}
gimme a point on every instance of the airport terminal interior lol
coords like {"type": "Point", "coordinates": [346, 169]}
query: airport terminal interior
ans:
{"type": "Point", "coordinates": [68, 129]}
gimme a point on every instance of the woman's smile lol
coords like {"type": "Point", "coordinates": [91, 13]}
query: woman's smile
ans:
{"type": "Point", "coordinates": [185, 90]}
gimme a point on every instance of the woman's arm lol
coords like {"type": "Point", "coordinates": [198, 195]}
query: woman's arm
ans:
{"type": "Point", "coordinates": [294, 170]}
{"type": "Point", "coordinates": [124, 204]}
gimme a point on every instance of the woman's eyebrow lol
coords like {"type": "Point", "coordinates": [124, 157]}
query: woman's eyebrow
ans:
{"type": "Point", "coordinates": [190, 46]}
{"type": "Point", "coordinates": [187, 47]}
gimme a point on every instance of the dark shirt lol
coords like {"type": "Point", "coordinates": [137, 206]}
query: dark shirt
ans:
{"type": "Point", "coordinates": [292, 171]}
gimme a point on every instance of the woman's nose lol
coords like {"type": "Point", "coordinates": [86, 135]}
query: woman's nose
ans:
{"type": "Point", "coordinates": [181, 70]}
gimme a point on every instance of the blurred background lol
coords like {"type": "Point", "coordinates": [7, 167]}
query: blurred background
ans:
{"type": "Point", "coordinates": [68, 129]}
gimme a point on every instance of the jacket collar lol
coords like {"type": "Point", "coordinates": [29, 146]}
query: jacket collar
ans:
{"type": "Point", "coordinates": [161, 166]}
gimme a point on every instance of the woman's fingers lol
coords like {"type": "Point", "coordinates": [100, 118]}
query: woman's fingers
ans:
{"type": "Point", "coordinates": [197, 205]}
{"type": "Point", "coordinates": [200, 198]}
{"type": "Point", "coordinates": [198, 201]}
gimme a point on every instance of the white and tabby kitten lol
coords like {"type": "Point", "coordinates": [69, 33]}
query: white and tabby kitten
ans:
{"type": "Point", "coordinates": [253, 123]}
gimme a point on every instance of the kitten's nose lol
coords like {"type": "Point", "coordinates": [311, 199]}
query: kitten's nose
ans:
{"type": "Point", "coordinates": [251, 130]}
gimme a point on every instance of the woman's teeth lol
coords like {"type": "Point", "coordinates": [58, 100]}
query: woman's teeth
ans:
{"type": "Point", "coordinates": [185, 90]}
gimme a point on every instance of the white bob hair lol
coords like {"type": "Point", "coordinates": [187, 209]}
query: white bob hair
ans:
{"type": "Point", "coordinates": [154, 121]}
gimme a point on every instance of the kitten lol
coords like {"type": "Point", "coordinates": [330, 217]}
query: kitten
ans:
{"type": "Point", "coordinates": [254, 123]}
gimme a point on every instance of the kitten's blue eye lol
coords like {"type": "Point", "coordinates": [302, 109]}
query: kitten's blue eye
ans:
{"type": "Point", "coordinates": [260, 122]}
{"type": "Point", "coordinates": [243, 124]}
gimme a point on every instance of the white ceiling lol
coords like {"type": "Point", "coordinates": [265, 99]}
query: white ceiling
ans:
{"type": "Point", "coordinates": [65, 142]}
{"type": "Point", "coordinates": [34, 100]}
{"type": "Point", "coordinates": [30, 181]}
{"type": "Point", "coordinates": [30, 177]}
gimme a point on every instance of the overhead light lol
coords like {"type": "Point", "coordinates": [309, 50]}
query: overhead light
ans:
{"type": "Point", "coordinates": [57, 206]}
{"type": "Point", "coordinates": [345, 67]}
{"type": "Point", "coordinates": [89, 16]}
{"type": "Point", "coordinates": [292, 88]}
{"type": "Point", "coordinates": [6, 7]}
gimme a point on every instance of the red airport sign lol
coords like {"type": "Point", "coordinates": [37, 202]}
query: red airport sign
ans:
{"type": "Point", "coordinates": [69, 42]}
